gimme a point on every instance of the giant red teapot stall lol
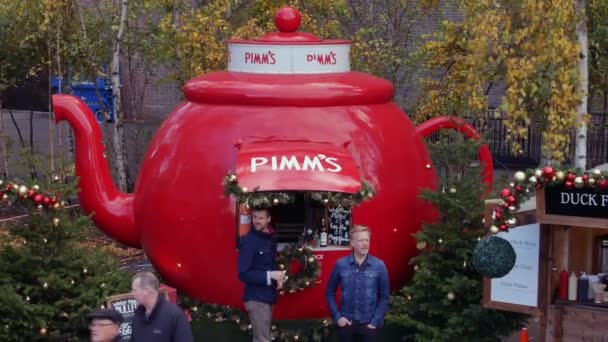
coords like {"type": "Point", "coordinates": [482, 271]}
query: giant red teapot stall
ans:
{"type": "Point", "coordinates": [287, 115]}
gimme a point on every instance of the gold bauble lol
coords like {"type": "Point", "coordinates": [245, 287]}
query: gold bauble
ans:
{"type": "Point", "coordinates": [494, 229]}
{"type": "Point", "coordinates": [56, 206]}
{"type": "Point", "coordinates": [5, 198]}
{"type": "Point", "coordinates": [15, 187]}
{"type": "Point", "coordinates": [84, 270]}
{"type": "Point", "coordinates": [440, 240]}
{"type": "Point", "coordinates": [560, 176]}
{"type": "Point", "coordinates": [275, 201]}
{"type": "Point", "coordinates": [281, 267]}
{"type": "Point", "coordinates": [244, 189]}
{"type": "Point", "coordinates": [452, 190]}
{"type": "Point", "coordinates": [597, 172]}
{"type": "Point", "coordinates": [591, 181]}
{"type": "Point", "coordinates": [56, 221]}
{"type": "Point", "coordinates": [23, 190]}
{"type": "Point", "coordinates": [578, 182]}
{"type": "Point", "coordinates": [533, 180]}
{"type": "Point", "coordinates": [311, 259]}
{"type": "Point", "coordinates": [232, 178]}
{"type": "Point", "coordinates": [512, 208]}
{"type": "Point", "coordinates": [39, 208]}
{"type": "Point", "coordinates": [421, 245]}
{"type": "Point", "coordinates": [512, 222]}
{"type": "Point", "coordinates": [45, 285]}
{"type": "Point", "coordinates": [43, 331]}
{"type": "Point", "coordinates": [56, 178]}
{"type": "Point", "coordinates": [296, 338]}
{"type": "Point", "coordinates": [538, 173]}
{"type": "Point", "coordinates": [451, 296]}
{"type": "Point", "coordinates": [35, 187]}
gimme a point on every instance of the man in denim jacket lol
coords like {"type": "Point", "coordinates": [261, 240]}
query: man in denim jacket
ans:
{"type": "Point", "coordinates": [364, 290]}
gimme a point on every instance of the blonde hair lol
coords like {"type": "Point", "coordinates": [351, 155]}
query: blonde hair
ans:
{"type": "Point", "coordinates": [358, 228]}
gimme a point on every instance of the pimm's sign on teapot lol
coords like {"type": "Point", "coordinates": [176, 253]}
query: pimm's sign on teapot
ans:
{"type": "Point", "coordinates": [286, 88]}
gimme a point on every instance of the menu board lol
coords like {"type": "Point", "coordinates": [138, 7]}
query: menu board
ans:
{"type": "Point", "coordinates": [125, 304]}
{"type": "Point", "coordinates": [339, 222]}
{"type": "Point", "coordinates": [520, 286]}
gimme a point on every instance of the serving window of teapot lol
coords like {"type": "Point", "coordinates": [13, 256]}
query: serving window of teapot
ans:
{"type": "Point", "coordinates": [306, 222]}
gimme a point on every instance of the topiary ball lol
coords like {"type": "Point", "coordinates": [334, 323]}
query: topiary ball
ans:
{"type": "Point", "coordinates": [493, 257]}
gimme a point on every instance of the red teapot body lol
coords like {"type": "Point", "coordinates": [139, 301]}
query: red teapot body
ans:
{"type": "Point", "coordinates": [178, 212]}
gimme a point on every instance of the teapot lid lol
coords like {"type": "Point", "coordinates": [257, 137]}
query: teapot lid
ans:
{"type": "Point", "coordinates": [288, 68]}
{"type": "Point", "coordinates": [288, 51]}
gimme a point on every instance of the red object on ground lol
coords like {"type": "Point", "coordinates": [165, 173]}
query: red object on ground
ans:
{"type": "Point", "coordinates": [290, 90]}
{"type": "Point", "coordinates": [523, 335]}
{"type": "Point", "coordinates": [171, 292]}
{"type": "Point", "coordinates": [563, 285]}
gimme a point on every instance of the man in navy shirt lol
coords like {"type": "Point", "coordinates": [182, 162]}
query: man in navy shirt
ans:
{"type": "Point", "coordinates": [258, 270]}
{"type": "Point", "coordinates": [364, 298]}
{"type": "Point", "coordinates": [156, 319]}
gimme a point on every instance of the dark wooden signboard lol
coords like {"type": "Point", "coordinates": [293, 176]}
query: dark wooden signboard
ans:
{"type": "Point", "coordinates": [339, 222]}
{"type": "Point", "coordinates": [576, 202]}
{"type": "Point", "coordinates": [125, 304]}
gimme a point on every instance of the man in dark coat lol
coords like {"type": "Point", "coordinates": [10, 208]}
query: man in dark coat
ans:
{"type": "Point", "coordinates": [258, 270]}
{"type": "Point", "coordinates": [156, 319]}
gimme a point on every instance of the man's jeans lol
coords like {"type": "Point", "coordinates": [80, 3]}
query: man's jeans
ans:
{"type": "Point", "coordinates": [356, 332]}
{"type": "Point", "coordinates": [260, 315]}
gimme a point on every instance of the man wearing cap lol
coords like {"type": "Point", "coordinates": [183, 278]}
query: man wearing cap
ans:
{"type": "Point", "coordinates": [156, 319]}
{"type": "Point", "coordinates": [104, 325]}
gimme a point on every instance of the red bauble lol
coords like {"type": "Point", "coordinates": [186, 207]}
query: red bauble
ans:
{"type": "Point", "coordinates": [570, 177]}
{"type": "Point", "coordinates": [46, 200]}
{"type": "Point", "coordinates": [8, 187]}
{"type": "Point", "coordinates": [38, 199]}
{"type": "Point", "coordinates": [511, 200]}
{"type": "Point", "coordinates": [498, 215]}
{"type": "Point", "coordinates": [585, 178]}
{"type": "Point", "coordinates": [503, 227]}
{"type": "Point", "coordinates": [569, 184]}
{"type": "Point", "coordinates": [518, 188]}
{"type": "Point", "coordinates": [505, 192]}
{"type": "Point", "coordinates": [548, 172]}
{"type": "Point", "coordinates": [53, 200]}
{"type": "Point", "coordinates": [603, 184]}
{"type": "Point", "coordinates": [30, 193]}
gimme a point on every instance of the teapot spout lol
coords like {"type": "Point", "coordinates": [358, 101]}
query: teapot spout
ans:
{"type": "Point", "coordinates": [112, 210]}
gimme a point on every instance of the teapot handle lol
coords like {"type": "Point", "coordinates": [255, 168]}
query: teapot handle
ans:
{"type": "Point", "coordinates": [450, 122]}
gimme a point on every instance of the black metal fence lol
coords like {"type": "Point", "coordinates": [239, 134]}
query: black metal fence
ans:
{"type": "Point", "coordinates": [491, 126]}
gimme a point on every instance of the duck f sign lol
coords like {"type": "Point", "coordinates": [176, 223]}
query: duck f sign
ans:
{"type": "Point", "coordinates": [302, 166]}
{"type": "Point", "coordinates": [319, 162]}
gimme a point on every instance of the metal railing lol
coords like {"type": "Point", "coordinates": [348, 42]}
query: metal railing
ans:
{"type": "Point", "coordinates": [491, 126]}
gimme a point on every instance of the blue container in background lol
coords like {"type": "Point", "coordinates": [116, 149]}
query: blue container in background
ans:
{"type": "Point", "coordinates": [97, 96]}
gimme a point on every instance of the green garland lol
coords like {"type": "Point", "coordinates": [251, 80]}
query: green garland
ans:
{"type": "Point", "coordinates": [525, 183]}
{"type": "Point", "coordinates": [306, 276]}
{"type": "Point", "coordinates": [267, 199]}
{"type": "Point", "coordinates": [317, 331]}
{"type": "Point", "coordinates": [42, 200]}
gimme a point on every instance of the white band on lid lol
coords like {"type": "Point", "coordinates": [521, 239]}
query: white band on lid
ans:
{"type": "Point", "coordinates": [289, 59]}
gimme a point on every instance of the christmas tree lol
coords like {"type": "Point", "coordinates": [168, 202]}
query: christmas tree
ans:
{"type": "Point", "coordinates": [442, 302]}
{"type": "Point", "coordinates": [49, 279]}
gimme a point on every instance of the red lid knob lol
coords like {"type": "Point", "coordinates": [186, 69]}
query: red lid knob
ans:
{"type": "Point", "coordinates": [287, 19]}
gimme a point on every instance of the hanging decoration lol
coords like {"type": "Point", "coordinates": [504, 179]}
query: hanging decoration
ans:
{"type": "Point", "coordinates": [493, 257]}
{"type": "Point", "coordinates": [253, 198]}
{"type": "Point", "coordinates": [301, 267]}
{"type": "Point", "coordinates": [526, 182]}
